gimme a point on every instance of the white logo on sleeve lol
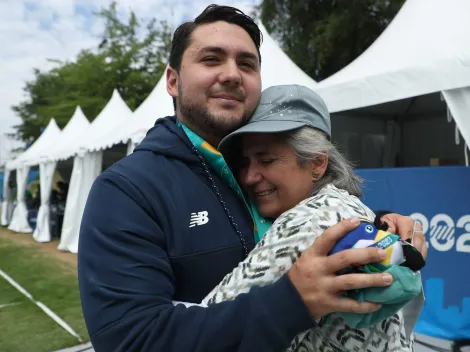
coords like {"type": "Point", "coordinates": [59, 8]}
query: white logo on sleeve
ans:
{"type": "Point", "coordinates": [199, 219]}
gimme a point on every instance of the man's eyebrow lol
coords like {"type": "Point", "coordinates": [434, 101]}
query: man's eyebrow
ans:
{"type": "Point", "coordinates": [248, 55]}
{"type": "Point", "coordinates": [212, 49]}
{"type": "Point", "coordinates": [221, 51]}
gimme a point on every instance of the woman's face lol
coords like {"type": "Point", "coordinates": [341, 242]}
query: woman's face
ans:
{"type": "Point", "coordinates": [271, 176]}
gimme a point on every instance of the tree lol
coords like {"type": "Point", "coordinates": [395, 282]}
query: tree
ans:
{"type": "Point", "coordinates": [131, 58]}
{"type": "Point", "coordinates": [323, 36]}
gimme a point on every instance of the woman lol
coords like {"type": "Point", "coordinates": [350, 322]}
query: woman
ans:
{"type": "Point", "coordinates": [292, 172]}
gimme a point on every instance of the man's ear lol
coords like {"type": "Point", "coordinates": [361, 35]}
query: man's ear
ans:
{"type": "Point", "coordinates": [172, 82]}
{"type": "Point", "coordinates": [319, 165]}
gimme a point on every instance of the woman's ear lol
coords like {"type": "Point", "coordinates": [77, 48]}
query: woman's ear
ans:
{"type": "Point", "coordinates": [319, 166]}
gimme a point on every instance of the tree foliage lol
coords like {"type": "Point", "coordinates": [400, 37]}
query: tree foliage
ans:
{"type": "Point", "coordinates": [323, 36]}
{"type": "Point", "coordinates": [131, 58]}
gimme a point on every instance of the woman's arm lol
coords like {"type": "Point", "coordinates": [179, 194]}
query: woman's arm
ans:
{"type": "Point", "coordinates": [291, 234]}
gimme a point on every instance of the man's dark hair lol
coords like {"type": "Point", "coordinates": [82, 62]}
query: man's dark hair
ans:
{"type": "Point", "coordinates": [212, 13]}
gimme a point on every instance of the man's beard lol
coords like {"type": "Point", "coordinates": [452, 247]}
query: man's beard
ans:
{"type": "Point", "coordinates": [201, 118]}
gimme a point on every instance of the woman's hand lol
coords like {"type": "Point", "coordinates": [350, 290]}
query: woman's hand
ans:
{"type": "Point", "coordinates": [403, 226]}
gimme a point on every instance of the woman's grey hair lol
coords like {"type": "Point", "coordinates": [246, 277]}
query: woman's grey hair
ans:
{"type": "Point", "coordinates": [309, 143]}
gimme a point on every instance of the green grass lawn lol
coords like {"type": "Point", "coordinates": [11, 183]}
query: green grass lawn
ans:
{"type": "Point", "coordinates": [24, 326]}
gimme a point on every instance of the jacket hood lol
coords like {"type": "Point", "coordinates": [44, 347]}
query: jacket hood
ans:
{"type": "Point", "coordinates": [167, 139]}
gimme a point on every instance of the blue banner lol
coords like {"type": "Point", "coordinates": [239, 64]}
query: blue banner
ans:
{"type": "Point", "coordinates": [439, 197]}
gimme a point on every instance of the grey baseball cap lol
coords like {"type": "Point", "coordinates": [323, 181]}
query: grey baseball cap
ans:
{"type": "Point", "coordinates": [284, 108]}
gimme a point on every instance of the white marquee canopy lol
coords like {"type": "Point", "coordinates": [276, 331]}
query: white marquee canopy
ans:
{"type": "Point", "coordinates": [71, 133]}
{"type": "Point", "coordinates": [425, 49]}
{"type": "Point", "coordinates": [43, 144]}
{"type": "Point", "coordinates": [113, 114]}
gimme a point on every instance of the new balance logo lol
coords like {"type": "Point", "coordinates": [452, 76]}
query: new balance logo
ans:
{"type": "Point", "coordinates": [199, 219]}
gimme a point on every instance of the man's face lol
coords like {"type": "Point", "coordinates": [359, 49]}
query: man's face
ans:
{"type": "Point", "coordinates": [219, 83]}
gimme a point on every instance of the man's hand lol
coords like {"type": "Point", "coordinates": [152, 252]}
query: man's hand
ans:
{"type": "Point", "coordinates": [403, 226]}
{"type": "Point", "coordinates": [314, 274]}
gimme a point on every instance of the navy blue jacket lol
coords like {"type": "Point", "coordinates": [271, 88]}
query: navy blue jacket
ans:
{"type": "Point", "coordinates": [155, 230]}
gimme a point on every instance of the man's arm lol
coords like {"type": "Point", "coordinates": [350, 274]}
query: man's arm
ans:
{"type": "Point", "coordinates": [127, 286]}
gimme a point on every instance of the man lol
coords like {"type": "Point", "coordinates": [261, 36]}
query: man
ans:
{"type": "Point", "coordinates": [165, 224]}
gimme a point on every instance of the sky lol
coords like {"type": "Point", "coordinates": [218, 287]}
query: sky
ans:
{"type": "Point", "coordinates": [36, 30]}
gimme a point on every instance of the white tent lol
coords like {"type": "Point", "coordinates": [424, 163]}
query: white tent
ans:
{"type": "Point", "coordinates": [458, 102]}
{"type": "Point", "coordinates": [424, 50]}
{"type": "Point", "coordinates": [43, 143]}
{"type": "Point", "coordinates": [87, 166]}
{"type": "Point", "coordinates": [276, 68]}
{"type": "Point", "coordinates": [157, 104]}
{"type": "Point", "coordinates": [113, 114]}
{"type": "Point", "coordinates": [71, 136]}
{"type": "Point", "coordinates": [76, 125]}
{"type": "Point", "coordinates": [22, 164]}
{"type": "Point", "coordinates": [7, 201]}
